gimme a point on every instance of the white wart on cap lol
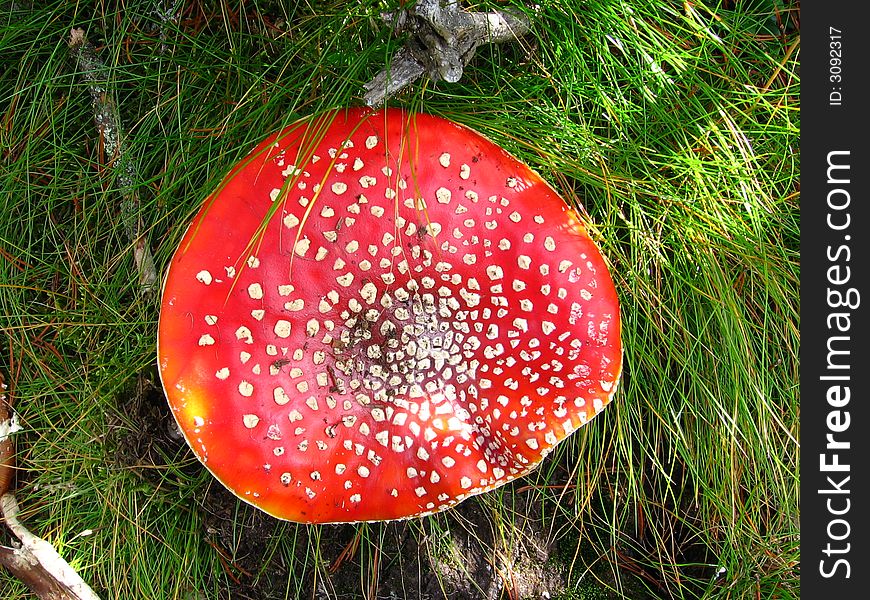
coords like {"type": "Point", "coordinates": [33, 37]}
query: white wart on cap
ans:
{"type": "Point", "coordinates": [380, 314]}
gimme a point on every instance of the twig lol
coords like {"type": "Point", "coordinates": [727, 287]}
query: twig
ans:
{"type": "Point", "coordinates": [167, 11]}
{"type": "Point", "coordinates": [444, 38]}
{"type": "Point", "coordinates": [35, 562]}
{"type": "Point", "coordinates": [95, 74]}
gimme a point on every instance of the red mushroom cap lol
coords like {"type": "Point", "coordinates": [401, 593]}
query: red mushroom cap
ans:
{"type": "Point", "coordinates": [380, 314]}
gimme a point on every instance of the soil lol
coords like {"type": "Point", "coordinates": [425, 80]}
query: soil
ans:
{"type": "Point", "coordinates": [461, 561]}
{"type": "Point", "coordinates": [458, 555]}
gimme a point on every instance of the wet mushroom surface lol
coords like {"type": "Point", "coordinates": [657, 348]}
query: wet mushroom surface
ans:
{"type": "Point", "coordinates": [379, 314]}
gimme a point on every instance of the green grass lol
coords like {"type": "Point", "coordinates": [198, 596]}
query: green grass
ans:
{"type": "Point", "coordinates": [675, 125]}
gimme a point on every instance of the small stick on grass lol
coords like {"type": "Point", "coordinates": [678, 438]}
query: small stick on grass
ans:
{"type": "Point", "coordinates": [34, 562]}
{"type": "Point", "coordinates": [95, 74]}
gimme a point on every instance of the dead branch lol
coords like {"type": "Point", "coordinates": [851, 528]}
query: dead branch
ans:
{"type": "Point", "coordinates": [443, 40]}
{"type": "Point", "coordinates": [32, 560]}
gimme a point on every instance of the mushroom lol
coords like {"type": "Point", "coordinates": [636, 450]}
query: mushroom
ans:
{"type": "Point", "coordinates": [379, 314]}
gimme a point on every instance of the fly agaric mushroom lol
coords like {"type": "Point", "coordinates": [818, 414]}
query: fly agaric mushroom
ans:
{"type": "Point", "coordinates": [380, 314]}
